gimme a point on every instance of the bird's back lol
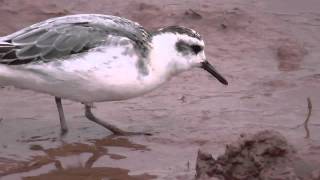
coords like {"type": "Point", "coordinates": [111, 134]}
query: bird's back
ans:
{"type": "Point", "coordinates": [63, 36]}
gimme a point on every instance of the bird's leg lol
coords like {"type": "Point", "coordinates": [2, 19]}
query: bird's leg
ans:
{"type": "Point", "coordinates": [115, 130]}
{"type": "Point", "coordinates": [63, 124]}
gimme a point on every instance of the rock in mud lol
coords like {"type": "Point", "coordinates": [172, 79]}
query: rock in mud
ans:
{"type": "Point", "coordinates": [265, 155]}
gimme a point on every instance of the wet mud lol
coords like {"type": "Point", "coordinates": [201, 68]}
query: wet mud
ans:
{"type": "Point", "coordinates": [268, 51]}
{"type": "Point", "coordinates": [264, 155]}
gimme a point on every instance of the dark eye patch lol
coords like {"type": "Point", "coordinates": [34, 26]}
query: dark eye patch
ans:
{"type": "Point", "coordinates": [196, 48]}
{"type": "Point", "coordinates": [182, 47]}
{"type": "Point", "coordinates": [185, 48]}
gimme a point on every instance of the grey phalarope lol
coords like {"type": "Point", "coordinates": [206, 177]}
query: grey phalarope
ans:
{"type": "Point", "coordinates": [94, 58]}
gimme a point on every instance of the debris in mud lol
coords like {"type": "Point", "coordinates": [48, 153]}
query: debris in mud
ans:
{"type": "Point", "coordinates": [223, 26]}
{"type": "Point", "coordinates": [183, 99]}
{"type": "Point", "coordinates": [290, 54]}
{"type": "Point", "coordinates": [36, 147]}
{"type": "Point", "coordinates": [234, 19]}
{"type": "Point", "coordinates": [192, 14]}
{"type": "Point", "coordinates": [145, 6]}
{"type": "Point", "coordinates": [306, 127]}
{"type": "Point", "coordinates": [265, 155]}
{"type": "Point", "coordinates": [146, 13]}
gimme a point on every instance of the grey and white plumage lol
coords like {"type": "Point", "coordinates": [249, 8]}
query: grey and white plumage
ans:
{"type": "Point", "coordinates": [92, 58]}
{"type": "Point", "coordinates": [62, 36]}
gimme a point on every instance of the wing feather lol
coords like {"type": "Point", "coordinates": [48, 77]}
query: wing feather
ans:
{"type": "Point", "coordinates": [61, 37]}
{"type": "Point", "coordinates": [46, 39]}
{"type": "Point", "coordinates": [28, 38]}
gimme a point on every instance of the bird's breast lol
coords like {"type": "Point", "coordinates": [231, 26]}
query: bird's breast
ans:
{"type": "Point", "coordinates": [107, 76]}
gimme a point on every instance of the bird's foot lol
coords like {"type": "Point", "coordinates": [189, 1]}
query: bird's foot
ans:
{"type": "Point", "coordinates": [63, 132]}
{"type": "Point", "coordinates": [114, 129]}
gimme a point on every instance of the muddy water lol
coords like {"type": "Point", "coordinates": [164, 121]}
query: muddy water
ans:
{"type": "Point", "coordinates": [270, 57]}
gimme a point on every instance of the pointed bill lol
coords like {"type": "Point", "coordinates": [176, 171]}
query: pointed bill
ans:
{"type": "Point", "coordinates": [208, 67]}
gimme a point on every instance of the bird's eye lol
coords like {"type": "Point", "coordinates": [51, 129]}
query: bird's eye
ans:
{"type": "Point", "coordinates": [196, 48]}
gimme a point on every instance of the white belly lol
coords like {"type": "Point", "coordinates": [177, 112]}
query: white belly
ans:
{"type": "Point", "coordinates": [93, 78]}
{"type": "Point", "coordinates": [81, 86]}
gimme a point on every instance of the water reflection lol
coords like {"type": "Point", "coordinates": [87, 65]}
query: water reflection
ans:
{"type": "Point", "coordinates": [76, 161]}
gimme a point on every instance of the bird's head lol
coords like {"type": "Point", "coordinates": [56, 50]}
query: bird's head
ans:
{"type": "Point", "coordinates": [181, 49]}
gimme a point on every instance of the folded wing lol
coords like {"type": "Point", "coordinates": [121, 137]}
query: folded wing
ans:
{"type": "Point", "coordinates": [59, 38]}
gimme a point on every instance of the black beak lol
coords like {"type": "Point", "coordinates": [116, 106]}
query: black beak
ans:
{"type": "Point", "coordinates": [208, 67]}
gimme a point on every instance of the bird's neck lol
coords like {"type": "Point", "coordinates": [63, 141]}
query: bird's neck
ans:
{"type": "Point", "coordinates": [163, 56]}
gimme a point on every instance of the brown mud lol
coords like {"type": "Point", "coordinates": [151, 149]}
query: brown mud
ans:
{"type": "Point", "coordinates": [268, 50]}
{"type": "Point", "coordinates": [265, 155]}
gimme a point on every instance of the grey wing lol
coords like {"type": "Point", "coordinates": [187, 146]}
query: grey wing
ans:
{"type": "Point", "coordinates": [53, 43]}
{"type": "Point", "coordinates": [61, 37]}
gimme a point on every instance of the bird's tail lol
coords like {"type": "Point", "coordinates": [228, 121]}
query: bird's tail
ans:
{"type": "Point", "coordinates": [5, 48]}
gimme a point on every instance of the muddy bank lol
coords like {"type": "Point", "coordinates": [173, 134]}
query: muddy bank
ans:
{"type": "Point", "coordinates": [265, 155]}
